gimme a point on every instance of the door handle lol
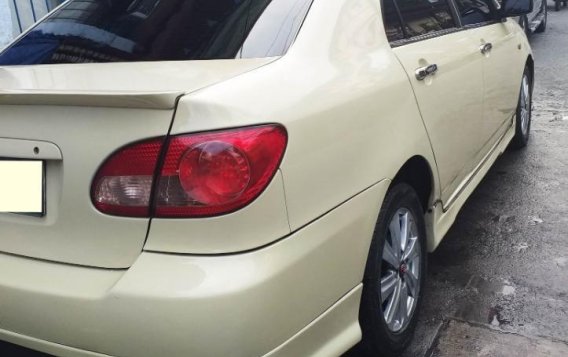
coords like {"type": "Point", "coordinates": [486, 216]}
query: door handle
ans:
{"type": "Point", "coordinates": [423, 72]}
{"type": "Point", "coordinates": [486, 48]}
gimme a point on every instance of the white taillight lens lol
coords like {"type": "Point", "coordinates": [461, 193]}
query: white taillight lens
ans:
{"type": "Point", "coordinates": [131, 191]}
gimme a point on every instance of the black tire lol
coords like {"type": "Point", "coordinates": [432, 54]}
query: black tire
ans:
{"type": "Point", "coordinates": [523, 130]}
{"type": "Point", "coordinates": [557, 5]}
{"type": "Point", "coordinates": [542, 27]}
{"type": "Point", "coordinates": [378, 337]}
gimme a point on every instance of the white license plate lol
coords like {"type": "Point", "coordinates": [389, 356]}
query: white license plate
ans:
{"type": "Point", "coordinates": [22, 186]}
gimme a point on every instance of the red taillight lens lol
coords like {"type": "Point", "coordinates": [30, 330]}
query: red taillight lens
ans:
{"type": "Point", "coordinates": [202, 175]}
{"type": "Point", "coordinates": [123, 184]}
{"type": "Point", "coordinates": [216, 173]}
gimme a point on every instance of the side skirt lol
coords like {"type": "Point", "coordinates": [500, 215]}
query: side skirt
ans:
{"type": "Point", "coordinates": [441, 217]}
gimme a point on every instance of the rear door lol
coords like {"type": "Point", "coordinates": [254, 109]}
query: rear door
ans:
{"type": "Point", "coordinates": [446, 71]}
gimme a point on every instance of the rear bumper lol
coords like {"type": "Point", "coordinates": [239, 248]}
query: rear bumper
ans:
{"type": "Point", "coordinates": [299, 296]}
{"type": "Point", "coordinates": [330, 334]}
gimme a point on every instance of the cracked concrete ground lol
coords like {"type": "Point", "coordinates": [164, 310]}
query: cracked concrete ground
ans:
{"type": "Point", "coordinates": [462, 339]}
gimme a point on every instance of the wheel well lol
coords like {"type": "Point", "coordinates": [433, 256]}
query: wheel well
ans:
{"type": "Point", "coordinates": [416, 172]}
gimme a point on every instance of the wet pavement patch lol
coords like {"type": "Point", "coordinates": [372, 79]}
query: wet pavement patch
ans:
{"type": "Point", "coordinates": [485, 301]}
{"type": "Point", "coordinates": [458, 338]}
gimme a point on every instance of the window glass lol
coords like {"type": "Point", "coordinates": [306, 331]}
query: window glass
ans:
{"type": "Point", "coordinates": [474, 11]}
{"type": "Point", "coordinates": [84, 31]}
{"type": "Point", "coordinates": [424, 16]}
{"type": "Point", "coordinates": [269, 37]}
{"type": "Point", "coordinates": [393, 27]}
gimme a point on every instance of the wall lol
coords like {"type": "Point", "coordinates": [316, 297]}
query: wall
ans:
{"type": "Point", "coordinates": [6, 29]}
{"type": "Point", "coordinates": [26, 12]}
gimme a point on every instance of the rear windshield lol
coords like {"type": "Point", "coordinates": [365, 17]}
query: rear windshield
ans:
{"type": "Point", "coordinates": [93, 31]}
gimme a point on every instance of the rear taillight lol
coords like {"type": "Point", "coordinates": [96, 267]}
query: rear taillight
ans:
{"type": "Point", "coordinates": [201, 175]}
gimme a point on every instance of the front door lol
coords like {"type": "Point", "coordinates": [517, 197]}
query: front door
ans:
{"type": "Point", "coordinates": [498, 42]}
{"type": "Point", "coordinates": [502, 69]}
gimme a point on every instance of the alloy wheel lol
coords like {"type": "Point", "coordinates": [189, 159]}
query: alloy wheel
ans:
{"type": "Point", "coordinates": [400, 277]}
{"type": "Point", "coordinates": [525, 105]}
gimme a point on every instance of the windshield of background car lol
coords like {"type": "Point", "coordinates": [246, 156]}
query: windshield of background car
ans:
{"type": "Point", "coordinates": [93, 31]}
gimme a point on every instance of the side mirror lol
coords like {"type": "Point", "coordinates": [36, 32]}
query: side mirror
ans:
{"type": "Point", "coordinates": [513, 8]}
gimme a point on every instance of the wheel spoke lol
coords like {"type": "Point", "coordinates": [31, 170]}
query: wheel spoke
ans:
{"type": "Point", "coordinates": [411, 250]}
{"type": "Point", "coordinates": [394, 229]}
{"type": "Point", "coordinates": [525, 87]}
{"type": "Point", "coordinates": [393, 304]}
{"type": "Point", "coordinates": [524, 120]}
{"type": "Point", "coordinates": [390, 257]}
{"type": "Point", "coordinates": [402, 313]}
{"type": "Point", "coordinates": [388, 285]}
{"type": "Point", "coordinates": [412, 282]}
{"type": "Point", "coordinates": [404, 229]}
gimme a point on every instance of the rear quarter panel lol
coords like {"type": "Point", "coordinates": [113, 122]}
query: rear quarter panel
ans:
{"type": "Point", "coordinates": [346, 103]}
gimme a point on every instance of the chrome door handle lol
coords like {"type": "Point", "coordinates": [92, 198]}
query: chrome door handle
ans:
{"type": "Point", "coordinates": [486, 48]}
{"type": "Point", "coordinates": [423, 72]}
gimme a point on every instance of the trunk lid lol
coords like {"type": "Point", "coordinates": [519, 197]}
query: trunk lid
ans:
{"type": "Point", "coordinates": [73, 117]}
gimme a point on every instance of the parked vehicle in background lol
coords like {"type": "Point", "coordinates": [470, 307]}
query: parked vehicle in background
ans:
{"type": "Point", "coordinates": [536, 20]}
{"type": "Point", "coordinates": [559, 3]}
{"type": "Point", "coordinates": [247, 177]}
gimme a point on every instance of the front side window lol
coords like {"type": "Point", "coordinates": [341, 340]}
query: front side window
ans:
{"type": "Point", "coordinates": [84, 31]}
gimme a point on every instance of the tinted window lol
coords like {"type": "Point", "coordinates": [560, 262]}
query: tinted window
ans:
{"type": "Point", "coordinates": [421, 17]}
{"type": "Point", "coordinates": [393, 26]}
{"type": "Point", "coordinates": [160, 30]}
{"type": "Point", "coordinates": [474, 11]}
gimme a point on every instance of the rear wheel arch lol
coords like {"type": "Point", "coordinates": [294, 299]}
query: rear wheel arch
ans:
{"type": "Point", "coordinates": [417, 172]}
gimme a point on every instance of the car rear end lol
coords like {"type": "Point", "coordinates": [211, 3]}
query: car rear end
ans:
{"type": "Point", "coordinates": [132, 257]}
{"type": "Point", "coordinates": [161, 231]}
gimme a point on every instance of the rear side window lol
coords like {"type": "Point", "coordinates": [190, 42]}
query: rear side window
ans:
{"type": "Point", "coordinates": [85, 31]}
{"type": "Point", "coordinates": [393, 25]}
{"type": "Point", "coordinates": [417, 17]}
{"type": "Point", "coordinates": [475, 11]}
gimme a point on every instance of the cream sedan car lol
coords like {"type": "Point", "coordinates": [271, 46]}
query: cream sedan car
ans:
{"type": "Point", "coordinates": [246, 177]}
